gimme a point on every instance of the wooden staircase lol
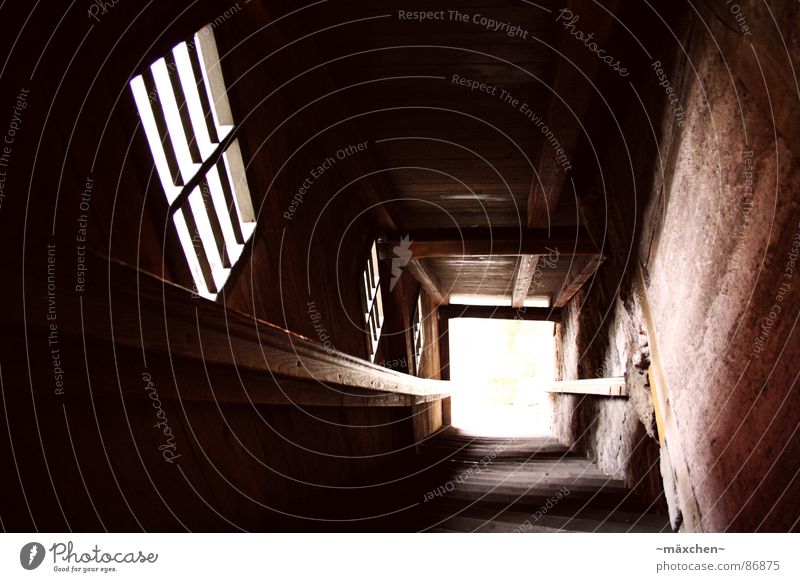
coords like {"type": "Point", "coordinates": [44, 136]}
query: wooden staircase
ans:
{"type": "Point", "coordinates": [459, 482]}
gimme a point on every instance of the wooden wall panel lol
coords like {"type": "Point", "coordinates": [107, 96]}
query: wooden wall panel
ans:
{"type": "Point", "coordinates": [430, 366]}
{"type": "Point", "coordinates": [427, 419]}
{"type": "Point", "coordinates": [89, 128]}
{"type": "Point", "coordinates": [230, 465]}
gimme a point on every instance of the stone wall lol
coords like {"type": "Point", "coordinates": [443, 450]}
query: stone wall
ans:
{"type": "Point", "coordinates": [715, 245]}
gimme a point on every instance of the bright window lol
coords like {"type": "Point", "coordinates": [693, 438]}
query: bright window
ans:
{"type": "Point", "coordinates": [372, 301]}
{"type": "Point", "coordinates": [184, 110]}
{"type": "Point", "coordinates": [419, 337]}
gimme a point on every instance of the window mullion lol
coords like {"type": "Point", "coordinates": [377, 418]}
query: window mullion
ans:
{"type": "Point", "coordinates": [204, 168]}
{"type": "Point", "coordinates": [189, 127]}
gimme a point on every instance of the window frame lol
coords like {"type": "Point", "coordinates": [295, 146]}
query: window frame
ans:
{"type": "Point", "coordinates": [417, 334]}
{"type": "Point", "coordinates": [182, 103]}
{"type": "Point", "coordinates": [372, 301]}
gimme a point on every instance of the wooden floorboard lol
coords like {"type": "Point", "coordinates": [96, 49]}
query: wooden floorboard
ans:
{"type": "Point", "coordinates": [456, 482]}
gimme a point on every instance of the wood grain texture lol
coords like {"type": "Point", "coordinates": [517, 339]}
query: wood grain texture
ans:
{"type": "Point", "coordinates": [138, 310]}
{"type": "Point", "coordinates": [430, 132]}
{"type": "Point", "coordinates": [428, 281]}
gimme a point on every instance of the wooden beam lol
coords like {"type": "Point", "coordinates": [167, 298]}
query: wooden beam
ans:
{"type": "Point", "coordinates": [137, 310]}
{"type": "Point", "coordinates": [526, 267]}
{"type": "Point", "coordinates": [444, 345]}
{"type": "Point", "coordinates": [576, 71]}
{"type": "Point", "coordinates": [429, 282]}
{"type": "Point", "coordinates": [578, 281]}
{"type": "Point", "coordinates": [449, 242]}
{"type": "Point", "coordinates": [594, 386]}
{"type": "Point", "coordinates": [500, 312]}
{"type": "Point", "coordinates": [247, 387]}
{"type": "Point", "coordinates": [426, 419]}
{"type": "Point", "coordinates": [115, 371]}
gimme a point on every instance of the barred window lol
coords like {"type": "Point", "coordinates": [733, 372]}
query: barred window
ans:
{"type": "Point", "coordinates": [419, 337]}
{"type": "Point", "coordinates": [184, 109]}
{"type": "Point", "coordinates": [372, 301]}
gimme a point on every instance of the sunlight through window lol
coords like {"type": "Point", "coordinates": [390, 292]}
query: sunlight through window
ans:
{"type": "Point", "coordinates": [184, 110]}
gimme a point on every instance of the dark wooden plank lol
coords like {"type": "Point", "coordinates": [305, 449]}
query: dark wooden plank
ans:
{"type": "Point", "coordinates": [580, 279]}
{"type": "Point", "coordinates": [475, 275]}
{"type": "Point", "coordinates": [444, 346]}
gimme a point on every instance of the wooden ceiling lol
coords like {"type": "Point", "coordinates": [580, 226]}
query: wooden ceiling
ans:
{"type": "Point", "coordinates": [455, 156]}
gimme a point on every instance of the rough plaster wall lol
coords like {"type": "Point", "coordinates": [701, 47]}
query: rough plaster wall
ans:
{"type": "Point", "coordinates": [602, 328]}
{"type": "Point", "coordinates": [602, 333]}
{"type": "Point", "coordinates": [719, 266]}
{"type": "Point", "coordinates": [618, 434]}
{"type": "Point", "coordinates": [714, 273]}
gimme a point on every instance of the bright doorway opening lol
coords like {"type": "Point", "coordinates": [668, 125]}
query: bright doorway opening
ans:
{"type": "Point", "coordinates": [499, 370]}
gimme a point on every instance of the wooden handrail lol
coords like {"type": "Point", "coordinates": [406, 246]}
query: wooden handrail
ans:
{"type": "Point", "coordinates": [138, 310]}
{"type": "Point", "coordinates": [593, 386]}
